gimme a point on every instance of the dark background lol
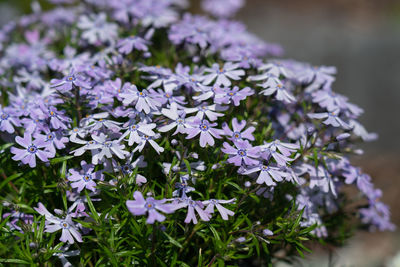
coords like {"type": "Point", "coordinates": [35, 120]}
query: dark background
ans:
{"type": "Point", "coordinates": [362, 39]}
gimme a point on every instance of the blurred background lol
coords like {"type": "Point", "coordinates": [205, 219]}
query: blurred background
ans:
{"type": "Point", "coordinates": [362, 39]}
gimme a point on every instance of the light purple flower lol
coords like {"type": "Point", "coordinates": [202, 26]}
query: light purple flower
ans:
{"type": "Point", "coordinates": [57, 119]}
{"type": "Point", "coordinates": [330, 118]}
{"type": "Point", "coordinates": [68, 82]}
{"type": "Point", "coordinates": [17, 216]}
{"type": "Point", "coordinates": [182, 187]}
{"type": "Point", "coordinates": [238, 133]}
{"type": "Point", "coordinates": [69, 231]}
{"type": "Point", "coordinates": [206, 130]}
{"type": "Point", "coordinates": [7, 120]}
{"type": "Point", "coordinates": [268, 174]}
{"type": "Point", "coordinates": [243, 153]}
{"type": "Point", "coordinates": [53, 140]}
{"type": "Point", "coordinates": [195, 30]}
{"type": "Point", "coordinates": [205, 111]}
{"type": "Point", "coordinates": [192, 206]}
{"type": "Point", "coordinates": [276, 68]}
{"type": "Point", "coordinates": [149, 139]}
{"type": "Point", "coordinates": [141, 206]}
{"type": "Point", "coordinates": [222, 8]}
{"type": "Point", "coordinates": [329, 100]}
{"type": "Point", "coordinates": [85, 177]}
{"type": "Point", "coordinates": [141, 99]}
{"type": "Point", "coordinates": [223, 75]}
{"type": "Point", "coordinates": [210, 204]}
{"type": "Point", "coordinates": [267, 152]}
{"type": "Point", "coordinates": [133, 129]}
{"type": "Point", "coordinates": [96, 29]}
{"type": "Point", "coordinates": [31, 151]}
{"type": "Point", "coordinates": [125, 46]}
{"type": "Point", "coordinates": [282, 93]}
{"type": "Point", "coordinates": [269, 80]}
{"type": "Point", "coordinates": [363, 181]}
{"type": "Point", "coordinates": [105, 148]}
{"type": "Point", "coordinates": [317, 74]}
{"type": "Point", "coordinates": [232, 95]}
{"type": "Point", "coordinates": [267, 232]}
{"type": "Point", "coordinates": [285, 148]}
{"type": "Point", "coordinates": [178, 118]}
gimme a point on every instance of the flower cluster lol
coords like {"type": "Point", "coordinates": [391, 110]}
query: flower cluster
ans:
{"type": "Point", "coordinates": [170, 116]}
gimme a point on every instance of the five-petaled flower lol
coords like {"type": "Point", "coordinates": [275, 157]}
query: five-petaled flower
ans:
{"type": "Point", "coordinates": [31, 150]}
{"type": "Point", "coordinates": [141, 206]}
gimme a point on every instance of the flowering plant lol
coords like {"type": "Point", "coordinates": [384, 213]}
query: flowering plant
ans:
{"type": "Point", "coordinates": [159, 137]}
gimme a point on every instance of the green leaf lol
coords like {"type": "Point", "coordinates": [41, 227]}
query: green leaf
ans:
{"type": "Point", "coordinates": [91, 207]}
{"type": "Point", "coordinates": [63, 169]}
{"type": "Point", "coordinates": [14, 261]}
{"type": "Point", "coordinates": [61, 159]}
{"type": "Point", "coordinates": [9, 179]}
{"type": "Point", "coordinates": [5, 146]}
{"type": "Point", "coordinates": [188, 166]}
{"type": "Point", "coordinates": [173, 241]}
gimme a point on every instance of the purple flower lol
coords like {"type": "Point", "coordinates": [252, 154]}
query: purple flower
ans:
{"type": "Point", "coordinates": [105, 148]}
{"type": "Point", "coordinates": [223, 74]}
{"type": "Point", "coordinates": [378, 215]}
{"type": "Point", "coordinates": [134, 128]}
{"type": "Point", "coordinates": [331, 118]}
{"type": "Point", "coordinates": [267, 232]}
{"type": "Point", "coordinates": [234, 95]}
{"type": "Point", "coordinates": [7, 120]}
{"type": "Point", "coordinates": [269, 80]}
{"type": "Point", "coordinates": [329, 100]}
{"type": "Point", "coordinates": [194, 30]}
{"type": "Point", "coordinates": [217, 203]}
{"type": "Point", "coordinates": [222, 8]}
{"type": "Point", "coordinates": [268, 174]}
{"type": "Point", "coordinates": [96, 29]}
{"type": "Point", "coordinates": [68, 82]}
{"type": "Point", "coordinates": [276, 68]}
{"type": "Point", "coordinates": [58, 119]}
{"type": "Point", "coordinates": [129, 166]}
{"type": "Point", "coordinates": [238, 133]}
{"type": "Point", "coordinates": [243, 153]}
{"type": "Point", "coordinates": [132, 42]}
{"type": "Point", "coordinates": [204, 110]}
{"type": "Point", "coordinates": [267, 152]}
{"type": "Point", "coordinates": [360, 131]}
{"type": "Point", "coordinates": [182, 187]}
{"type": "Point", "coordinates": [69, 231]}
{"type": "Point", "coordinates": [363, 181]}
{"type": "Point", "coordinates": [28, 155]}
{"type": "Point", "coordinates": [141, 206]}
{"type": "Point", "coordinates": [149, 139]}
{"type": "Point", "coordinates": [285, 148]}
{"type": "Point", "coordinates": [84, 178]}
{"type": "Point", "coordinates": [178, 118]}
{"type": "Point", "coordinates": [53, 140]}
{"type": "Point", "coordinates": [282, 93]}
{"type": "Point", "coordinates": [142, 100]}
{"type": "Point", "coordinates": [206, 130]}
{"type": "Point", "coordinates": [192, 206]}
{"type": "Point", "coordinates": [317, 74]}
{"type": "Point", "coordinates": [15, 217]}
{"type": "Point", "coordinates": [320, 177]}
{"type": "Point", "coordinates": [167, 96]}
